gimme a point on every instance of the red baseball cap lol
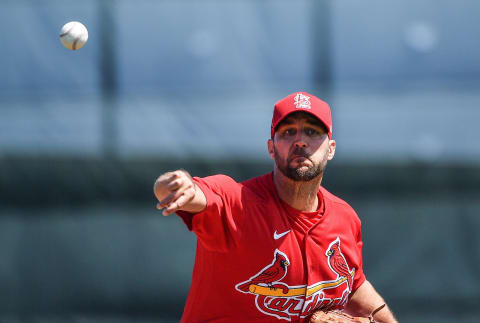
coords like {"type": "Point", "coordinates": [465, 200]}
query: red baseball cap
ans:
{"type": "Point", "coordinates": [302, 101]}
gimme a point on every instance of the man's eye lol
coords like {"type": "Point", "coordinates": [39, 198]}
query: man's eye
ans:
{"type": "Point", "coordinates": [311, 132]}
{"type": "Point", "coordinates": [289, 132]}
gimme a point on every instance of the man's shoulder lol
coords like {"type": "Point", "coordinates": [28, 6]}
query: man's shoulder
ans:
{"type": "Point", "coordinates": [217, 178]}
{"type": "Point", "coordinates": [259, 181]}
{"type": "Point", "coordinates": [260, 185]}
{"type": "Point", "coordinates": [335, 200]}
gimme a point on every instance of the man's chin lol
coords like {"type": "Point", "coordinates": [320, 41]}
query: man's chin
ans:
{"type": "Point", "coordinates": [303, 174]}
{"type": "Point", "coordinates": [302, 169]}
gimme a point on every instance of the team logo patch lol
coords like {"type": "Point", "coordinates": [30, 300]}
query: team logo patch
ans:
{"type": "Point", "coordinates": [338, 263]}
{"type": "Point", "coordinates": [302, 101]}
{"type": "Point", "coordinates": [275, 298]}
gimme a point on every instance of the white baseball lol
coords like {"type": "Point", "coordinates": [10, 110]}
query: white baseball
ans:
{"type": "Point", "coordinates": [73, 35]}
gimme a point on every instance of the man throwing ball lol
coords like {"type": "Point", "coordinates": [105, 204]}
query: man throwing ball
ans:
{"type": "Point", "coordinates": [279, 246]}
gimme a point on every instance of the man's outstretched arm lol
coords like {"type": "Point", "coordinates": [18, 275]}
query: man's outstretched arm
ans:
{"type": "Point", "coordinates": [176, 191]}
{"type": "Point", "coordinates": [365, 300]}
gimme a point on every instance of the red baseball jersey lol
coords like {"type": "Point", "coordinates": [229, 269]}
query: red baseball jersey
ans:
{"type": "Point", "coordinates": [260, 260]}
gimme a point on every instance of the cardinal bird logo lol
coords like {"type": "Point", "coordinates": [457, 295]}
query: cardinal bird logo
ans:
{"type": "Point", "coordinates": [337, 262]}
{"type": "Point", "coordinates": [268, 275]}
{"type": "Point", "coordinates": [284, 301]}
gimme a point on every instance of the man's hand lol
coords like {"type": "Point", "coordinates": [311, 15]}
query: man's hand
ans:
{"type": "Point", "coordinates": [177, 191]}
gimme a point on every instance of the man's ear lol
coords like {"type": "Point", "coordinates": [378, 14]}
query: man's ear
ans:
{"type": "Point", "coordinates": [270, 148]}
{"type": "Point", "coordinates": [332, 145]}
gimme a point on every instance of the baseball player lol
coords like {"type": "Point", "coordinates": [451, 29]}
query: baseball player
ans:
{"type": "Point", "coordinates": [279, 246]}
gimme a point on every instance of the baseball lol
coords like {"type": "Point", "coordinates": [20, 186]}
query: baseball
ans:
{"type": "Point", "coordinates": [73, 35]}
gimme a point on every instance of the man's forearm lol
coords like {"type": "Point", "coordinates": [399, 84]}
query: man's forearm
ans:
{"type": "Point", "coordinates": [365, 301]}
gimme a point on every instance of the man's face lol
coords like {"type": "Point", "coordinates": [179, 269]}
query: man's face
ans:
{"type": "Point", "coordinates": [300, 147]}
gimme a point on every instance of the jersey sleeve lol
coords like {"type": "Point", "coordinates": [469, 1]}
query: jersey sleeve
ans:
{"type": "Point", "coordinates": [215, 225]}
{"type": "Point", "coordinates": [359, 278]}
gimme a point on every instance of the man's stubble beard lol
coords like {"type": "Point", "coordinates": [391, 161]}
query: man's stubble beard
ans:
{"type": "Point", "coordinates": [297, 174]}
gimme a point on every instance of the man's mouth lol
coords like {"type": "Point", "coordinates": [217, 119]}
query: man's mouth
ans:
{"type": "Point", "coordinates": [299, 158]}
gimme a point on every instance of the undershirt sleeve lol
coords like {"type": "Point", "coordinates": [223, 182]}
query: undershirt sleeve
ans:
{"type": "Point", "coordinates": [222, 216]}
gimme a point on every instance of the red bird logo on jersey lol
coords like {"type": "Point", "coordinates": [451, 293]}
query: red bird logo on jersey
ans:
{"type": "Point", "coordinates": [337, 262]}
{"type": "Point", "coordinates": [290, 301]}
{"type": "Point", "coordinates": [268, 275]}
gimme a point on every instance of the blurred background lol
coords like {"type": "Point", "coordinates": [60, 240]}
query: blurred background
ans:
{"type": "Point", "coordinates": [169, 84]}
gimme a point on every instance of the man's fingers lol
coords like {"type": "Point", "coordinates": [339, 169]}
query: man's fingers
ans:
{"type": "Point", "coordinates": [171, 209]}
{"type": "Point", "coordinates": [170, 198]}
{"type": "Point", "coordinates": [174, 195]}
{"type": "Point", "coordinates": [174, 190]}
{"type": "Point", "coordinates": [167, 183]}
{"type": "Point", "coordinates": [179, 202]}
{"type": "Point", "coordinates": [167, 177]}
{"type": "Point", "coordinates": [185, 198]}
{"type": "Point", "coordinates": [175, 184]}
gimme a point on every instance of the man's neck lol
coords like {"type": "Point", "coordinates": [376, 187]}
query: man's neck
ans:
{"type": "Point", "coordinates": [299, 195]}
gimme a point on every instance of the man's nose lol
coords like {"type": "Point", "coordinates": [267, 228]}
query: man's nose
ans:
{"type": "Point", "coordinates": [300, 141]}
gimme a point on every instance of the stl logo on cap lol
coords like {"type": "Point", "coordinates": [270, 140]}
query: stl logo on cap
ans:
{"type": "Point", "coordinates": [302, 101]}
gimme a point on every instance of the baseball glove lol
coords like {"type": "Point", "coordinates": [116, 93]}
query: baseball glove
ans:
{"type": "Point", "coordinates": [340, 317]}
